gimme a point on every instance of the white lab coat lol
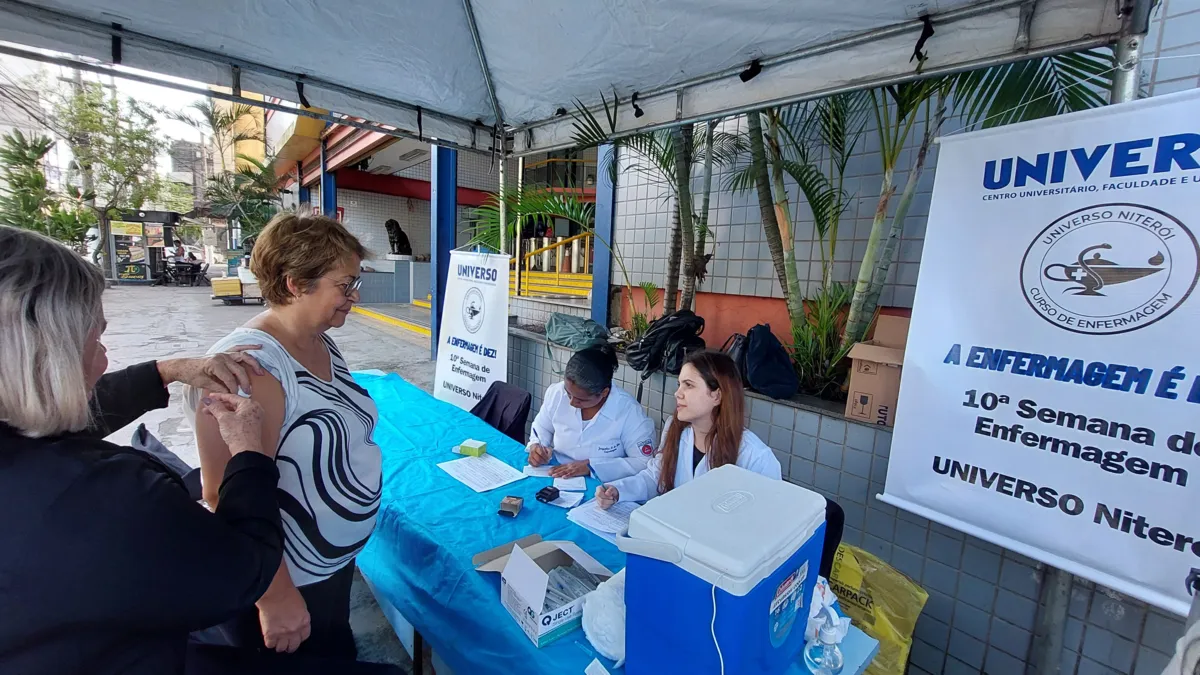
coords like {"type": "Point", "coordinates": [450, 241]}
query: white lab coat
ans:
{"type": "Point", "coordinates": [753, 455]}
{"type": "Point", "coordinates": [617, 442]}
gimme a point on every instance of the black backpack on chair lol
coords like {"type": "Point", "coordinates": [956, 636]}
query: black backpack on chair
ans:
{"type": "Point", "coordinates": [665, 345]}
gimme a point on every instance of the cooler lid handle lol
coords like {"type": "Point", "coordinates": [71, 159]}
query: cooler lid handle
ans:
{"type": "Point", "coordinates": [650, 549]}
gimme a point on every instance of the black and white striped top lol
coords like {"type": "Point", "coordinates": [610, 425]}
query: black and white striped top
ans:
{"type": "Point", "coordinates": [329, 466]}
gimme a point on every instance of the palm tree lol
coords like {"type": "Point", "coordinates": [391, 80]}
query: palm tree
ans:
{"type": "Point", "coordinates": [224, 125]}
{"type": "Point", "coordinates": [991, 97]}
{"type": "Point", "coordinates": [524, 204]}
{"type": "Point", "coordinates": [249, 195]}
{"type": "Point", "coordinates": [668, 157]}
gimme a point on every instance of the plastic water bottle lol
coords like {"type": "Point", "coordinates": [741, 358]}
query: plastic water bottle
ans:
{"type": "Point", "coordinates": [823, 656]}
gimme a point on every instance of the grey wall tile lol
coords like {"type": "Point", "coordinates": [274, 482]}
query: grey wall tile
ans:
{"type": "Point", "coordinates": [999, 662]}
{"type": "Point", "coordinates": [944, 549]}
{"type": "Point", "coordinates": [1121, 617]}
{"type": "Point", "coordinates": [825, 479]}
{"type": "Point", "coordinates": [880, 524]}
{"type": "Point", "coordinates": [856, 462]}
{"type": "Point", "coordinates": [783, 416]}
{"type": "Point", "coordinates": [833, 430]}
{"type": "Point", "coordinates": [981, 563]}
{"type": "Point", "coordinates": [972, 621]}
{"type": "Point", "coordinates": [1108, 648]}
{"type": "Point", "coordinates": [939, 606]}
{"type": "Point", "coordinates": [803, 472]}
{"type": "Point", "coordinates": [911, 537]}
{"type": "Point", "coordinates": [883, 443]}
{"type": "Point", "coordinates": [779, 438]}
{"type": "Point", "coordinates": [1019, 579]}
{"type": "Point", "coordinates": [1150, 662]}
{"type": "Point", "coordinates": [933, 631]}
{"type": "Point", "coordinates": [940, 577]}
{"type": "Point", "coordinates": [911, 564]}
{"type": "Point", "coordinates": [976, 592]}
{"type": "Point", "coordinates": [807, 422]}
{"type": "Point", "coordinates": [804, 446]}
{"type": "Point", "coordinates": [1161, 631]}
{"type": "Point", "coordinates": [1015, 609]}
{"type": "Point", "coordinates": [924, 655]}
{"type": "Point", "coordinates": [860, 437]}
{"type": "Point", "coordinates": [1013, 640]}
{"type": "Point", "coordinates": [967, 649]}
{"type": "Point", "coordinates": [854, 488]}
{"type": "Point", "coordinates": [830, 454]}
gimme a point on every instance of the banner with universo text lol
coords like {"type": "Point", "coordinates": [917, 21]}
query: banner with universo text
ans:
{"type": "Point", "coordinates": [473, 345]}
{"type": "Point", "coordinates": [1050, 395]}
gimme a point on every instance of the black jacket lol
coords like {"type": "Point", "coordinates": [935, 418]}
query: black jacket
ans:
{"type": "Point", "coordinates": [106, 565]}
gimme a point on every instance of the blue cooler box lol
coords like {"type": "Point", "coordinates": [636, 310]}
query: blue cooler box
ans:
{"type": "Point", "coordinates": [731, 542]}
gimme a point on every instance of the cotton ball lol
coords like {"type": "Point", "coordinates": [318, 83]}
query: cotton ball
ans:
{"type": "Point", "coordinates": [604, 618]}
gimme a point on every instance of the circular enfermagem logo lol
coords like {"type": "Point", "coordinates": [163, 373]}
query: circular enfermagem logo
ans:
{"type": "Point", "coordinates": [1110, 268]}
{"type": "Point", "coordinates": [473, 310]}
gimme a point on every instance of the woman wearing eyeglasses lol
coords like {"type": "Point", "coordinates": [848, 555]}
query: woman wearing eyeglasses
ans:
{"type": "Point", "coordinates": [320, 421]}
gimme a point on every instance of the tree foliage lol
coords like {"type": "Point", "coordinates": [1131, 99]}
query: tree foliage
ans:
{"type": "Point", "coordinates": [27, 201]}
{"type": "Point", "coordinates": [25, 197]}
{"type": "Point", "coordinates": [249, 195]}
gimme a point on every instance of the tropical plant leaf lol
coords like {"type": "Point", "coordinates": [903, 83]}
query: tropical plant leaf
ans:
{"type": "Point", "coordinates": [1037, 88]}
{"type": "Point", "coordinates": [822, 197]}
{"type": "Point", "coordinates": [521, 205]}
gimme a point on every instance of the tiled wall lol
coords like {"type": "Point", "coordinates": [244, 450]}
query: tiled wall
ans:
{"type": "Point", "coordinates": [1173, 48]}
{"type": "Point", "coordinates": [742, 263]}
{"type": "Point", "coordinates": [366, 212]}
{"type": "Point", "coordinates": [531, 311]}
{"type": "Point", "coordinates": [983, 600]}
{"type": "Point", "coordinates": [475, 170]}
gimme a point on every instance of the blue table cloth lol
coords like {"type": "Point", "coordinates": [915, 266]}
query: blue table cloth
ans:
{"type": "Point", "coordinates": [430, 526]}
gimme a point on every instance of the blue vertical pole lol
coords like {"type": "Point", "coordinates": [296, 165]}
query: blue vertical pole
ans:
{"type": "Point", "coordinates": [606, 197]}
{"type": "Point", "coordinates": [443, 210]}
{"type": "Point", "coordinates": [328, 189]}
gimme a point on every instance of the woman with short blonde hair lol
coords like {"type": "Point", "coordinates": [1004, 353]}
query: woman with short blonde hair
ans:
{"type": "Point", "coordinates": [321, 423]}
{"type": "Point", "coordinates": [107, 563]}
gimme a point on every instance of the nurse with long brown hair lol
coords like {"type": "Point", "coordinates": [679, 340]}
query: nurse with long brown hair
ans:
{"type": "Point", "coordinates": [705, 432]}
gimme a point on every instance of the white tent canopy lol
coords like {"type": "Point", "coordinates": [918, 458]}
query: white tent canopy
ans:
{"type": "Point", "coordinates": [449, 70]}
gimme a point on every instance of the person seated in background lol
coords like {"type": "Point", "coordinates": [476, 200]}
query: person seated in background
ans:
{"type": "Point", "coordinates": [588, 425]}
{"type": "Point", "coordinates": [704, 433]}
{"type": "Point", "coordinates": [397, 239]}
{"type": "Point", "coordinates": [106, 563]}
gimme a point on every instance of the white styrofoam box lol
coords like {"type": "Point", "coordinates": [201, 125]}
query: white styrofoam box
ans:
{"type": "Point", "coordinates": [725, 527]}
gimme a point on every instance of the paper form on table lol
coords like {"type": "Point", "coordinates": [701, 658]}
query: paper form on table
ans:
{"type": "Point", "coordinates": [481, 473]}
{"type": "Point", "coordinates": [604, 523]}
{"type": "Point", "coordinates": [576, 483]}
{"type": "Point", "coordinates": [538, 471]}
{"type": "Point", "coordinates": [567, 499]}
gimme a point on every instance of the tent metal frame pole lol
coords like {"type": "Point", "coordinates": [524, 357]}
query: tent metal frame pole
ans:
{"type": "Point", "coordinates": [201, 91]}
{"type": "Point", "coordinates": [503, 210]}
{"type": "Point", "coordinates": [128, 37]}
{"type": "Point", "coordinates": [1051, 50]}
{"type": "Point", "coordinates": [483, 63]}
{"type": "Point", "coordinates": [1056, 583]}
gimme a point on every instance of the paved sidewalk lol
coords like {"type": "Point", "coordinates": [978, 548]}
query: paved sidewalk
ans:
{"type": "Point", "coordinates": [146, 323]}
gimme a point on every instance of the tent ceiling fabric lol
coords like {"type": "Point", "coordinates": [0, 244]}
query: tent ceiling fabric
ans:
{"type": "Point", "coordinates": [383, 59]}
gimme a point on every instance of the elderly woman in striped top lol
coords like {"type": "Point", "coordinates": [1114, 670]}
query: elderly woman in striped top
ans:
{"type": "Point", "coordinates": [320, 421]}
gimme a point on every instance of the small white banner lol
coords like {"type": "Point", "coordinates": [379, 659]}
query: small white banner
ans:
{"type": "Point", "coordinates": [473, 345]}
{"type": "Point", "coordinates": [1050, 399]}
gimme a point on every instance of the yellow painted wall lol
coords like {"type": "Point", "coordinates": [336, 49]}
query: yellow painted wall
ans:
{"type": "Point", "coordinates": [256, 121]}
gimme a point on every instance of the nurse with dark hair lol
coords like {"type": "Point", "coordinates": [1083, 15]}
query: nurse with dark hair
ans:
{"type": "Point", "coordinates": [588, 426]}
